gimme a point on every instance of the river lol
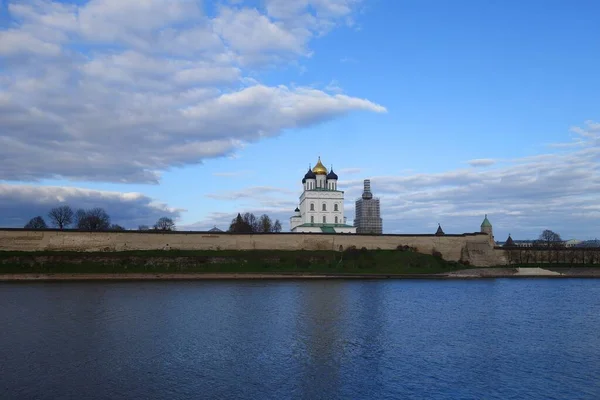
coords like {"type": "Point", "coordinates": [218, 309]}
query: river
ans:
{"type": "Point", "coordinates": [325, 339]}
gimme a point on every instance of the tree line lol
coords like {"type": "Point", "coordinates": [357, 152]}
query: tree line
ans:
{"type": "Point", "coordinates": [93, 219]}
{"type": "Point", "coordinates": [549, 239]}
{"type": "Point", "coordinates": [249, 223]}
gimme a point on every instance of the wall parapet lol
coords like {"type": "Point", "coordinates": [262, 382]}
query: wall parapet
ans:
{"type": "Point", "coordinates": [474, 248]}
{"type": "Point", "coordinates": [152, 231]}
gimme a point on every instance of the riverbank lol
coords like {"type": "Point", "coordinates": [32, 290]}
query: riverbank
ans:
{"type": "Point", "coordinates": [473, 273]}
{"type": "Point", "coordinates": [258, 262]}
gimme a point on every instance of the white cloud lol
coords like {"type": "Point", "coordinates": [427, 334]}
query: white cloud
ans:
{"type": "Point", "coordinates": [23, 202]}
{"type": "Point", "coordinates": [348, 171]}
{"type": "Point", "coordinates": [18, 42]}
{"type": "Point", "coordinates": [334, 87]}
{"type": "Point", "coordinates": [254, 35]}
{"type": "Point", "coordinates": [119, 91]}
{"type": "Point", "coordinates": [257, 192]}
{"type": "Point", "coordinates": [481, 162]}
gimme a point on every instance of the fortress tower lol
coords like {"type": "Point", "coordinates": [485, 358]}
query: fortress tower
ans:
{"type": "Point", "coordinates": [486, 227]}
{"type": "Point", "coordinates": [321, 206]}
{"type": "Point", "coordinates": [367, 217]}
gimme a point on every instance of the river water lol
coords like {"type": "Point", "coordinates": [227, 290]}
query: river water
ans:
{"type": "Point", "coordinates": [393, 339]}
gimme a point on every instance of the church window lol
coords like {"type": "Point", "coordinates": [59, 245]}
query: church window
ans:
{"type": "Point", "coordinates": [335, 208]}
{"type": "Point", "coordinates": [312, 207]}
{"type": "Point", "coordinates": [324, 207]}
{"type": "Point", "coordinates": [324, 219]}
{"type": "Point", "coordinates": [312, 219]}
{"type": "Point", "coordinates": [336, 220]}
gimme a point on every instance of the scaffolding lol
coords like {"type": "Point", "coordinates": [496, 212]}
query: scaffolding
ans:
{"type": "Point", "coordinates": [367, 211]}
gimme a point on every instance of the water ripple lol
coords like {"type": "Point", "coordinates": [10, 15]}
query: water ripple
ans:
{"type": "Point", "coordinates": [496, 339]}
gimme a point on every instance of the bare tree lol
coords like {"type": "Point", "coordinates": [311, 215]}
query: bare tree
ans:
{"type": "Point", "coordinates": [95, 219]}
{"type": "Point", "coordinates": [239, 225]}
{"type": "Point", "coordinates": [265, 224]}
{"type": "Point", "coordinates": [165, 224]}
{"type": "Point", "coordinates": [143, 228]}
{"type": "Point", "coordinates": [248, 223]}
{"type": "Point", "coordinates": [36, 223]}
{"type": "Point", "coordinates": [251, 221]}
{"type": "Point", "coordinates": [116, 227]}
{"type": "Point", "coordinates": [61, 217]}
{"type": "Point", "coordinates": [549, 239]}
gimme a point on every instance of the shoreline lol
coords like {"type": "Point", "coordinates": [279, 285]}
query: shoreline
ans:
{"type": "Point", "coordinates": [475, 273]}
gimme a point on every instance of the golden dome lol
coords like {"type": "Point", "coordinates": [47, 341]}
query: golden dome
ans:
{"type": "Point", "coordinates": [320, 169]}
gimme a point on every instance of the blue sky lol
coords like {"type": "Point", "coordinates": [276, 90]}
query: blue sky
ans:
{"type": "Point", "coordinates": [198, 111]}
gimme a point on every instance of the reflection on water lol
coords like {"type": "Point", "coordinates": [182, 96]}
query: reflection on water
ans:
{"type": "Point", "coordinates": [493, 339]}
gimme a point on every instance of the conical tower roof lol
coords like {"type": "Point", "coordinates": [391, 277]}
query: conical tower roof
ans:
{"type": "Point", "coordinates": [486, 223]}
{"type": "Point", "coordinates": [509, 242]}
{"type": "Point", "coordinates": [439, 231]}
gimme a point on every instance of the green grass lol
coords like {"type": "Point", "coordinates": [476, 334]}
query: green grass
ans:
{"type": "Point", "coordinates": [224, 261]}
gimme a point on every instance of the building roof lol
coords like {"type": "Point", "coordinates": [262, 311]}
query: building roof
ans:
{"type": "Point", "coordinates": [439, 231]}
{"type": "Point", "coordinates": [509, 242]}
{"type": "Point", "coordinates": [327, 229]}
{"type": "Point", "coordinates": [486, 223]}
{"type": "Point", "coordinates": [215, 229]}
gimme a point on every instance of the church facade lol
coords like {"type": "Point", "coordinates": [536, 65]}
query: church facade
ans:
{"type": "Point", "coordinates": [321, 206]}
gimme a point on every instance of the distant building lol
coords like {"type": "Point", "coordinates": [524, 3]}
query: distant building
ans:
{"type": "Point", "coordinates": [367, 211]}
{"type": "Point", "coordinates": [215, 229]}
{"type": "Point", "coordinates": [321, 206]}
{"type": "Point", "coordinates": [537, 243]}
{"type": "Point", "coordinates": [439, 231]}
{"type": "Point", "coordinates": [589, 243]}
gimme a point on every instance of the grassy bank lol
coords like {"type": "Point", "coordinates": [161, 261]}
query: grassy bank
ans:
{"type": "Point", "coordinates": [255, 261]}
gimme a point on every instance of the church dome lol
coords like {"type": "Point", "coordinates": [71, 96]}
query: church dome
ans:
{"type": "Point", "coordinates": [319, 169]}
{"type": "Point", "coordinates": [309, 175]}
{"type": "Point", "coordinates": [331, 174]}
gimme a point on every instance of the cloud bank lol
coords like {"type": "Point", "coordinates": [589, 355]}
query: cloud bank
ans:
{"type": "Point", "coordinates": [112, 90]}
{"type": "Point", "coordinates": [524, 196]}
{"type": "Point", "coordinates": [19, 203]}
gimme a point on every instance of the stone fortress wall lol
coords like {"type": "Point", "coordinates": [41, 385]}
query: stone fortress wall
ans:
{"type": "Point", "coordinates": [476, 248]}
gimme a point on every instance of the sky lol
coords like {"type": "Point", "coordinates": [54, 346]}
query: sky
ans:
{"type": "Point", "coordinates": [198, 110]}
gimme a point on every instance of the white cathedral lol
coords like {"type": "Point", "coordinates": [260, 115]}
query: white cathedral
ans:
{"type": "Point", "coordinates": [321, 206]}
